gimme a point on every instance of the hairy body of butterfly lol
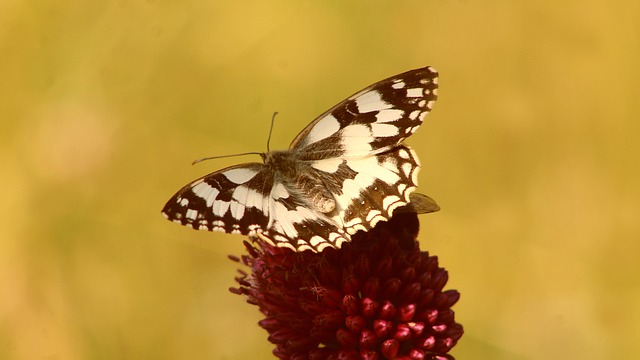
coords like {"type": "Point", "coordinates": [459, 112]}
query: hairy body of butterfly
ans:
{"type": "Point", "coordinates": [345, 172]}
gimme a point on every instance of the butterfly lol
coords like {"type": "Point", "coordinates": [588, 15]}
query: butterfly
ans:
{"type": "Point", "coordinates": [346, 171]}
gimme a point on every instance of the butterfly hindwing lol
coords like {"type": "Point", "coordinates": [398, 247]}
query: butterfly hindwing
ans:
{"type": "Point", "coordinates": [368, 189]}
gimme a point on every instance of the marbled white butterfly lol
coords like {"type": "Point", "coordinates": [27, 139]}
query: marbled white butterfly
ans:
{"type": "Point", "coordinates": [344, 172]}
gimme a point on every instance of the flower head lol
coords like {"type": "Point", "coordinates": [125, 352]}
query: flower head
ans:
{"type": "Point", "coordinates": [378, 297]}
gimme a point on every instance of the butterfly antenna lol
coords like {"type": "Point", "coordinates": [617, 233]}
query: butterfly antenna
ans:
{"type": "Point", "coordinates": [273, 120]}
{"type": "Point", "coordinates": [224, 156]}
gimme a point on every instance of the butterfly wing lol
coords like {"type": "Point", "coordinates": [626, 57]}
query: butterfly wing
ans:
{"type": "Point", "coordinates": [245, 199]}
{"type": "Point", "coordinates": [233, 200]}
{"type": "Point", "coordinates": [354, 149]}
{"type": "Point", "coordinates": [373, 120]}
{"type": "Point", "coordinates": [384, 182]}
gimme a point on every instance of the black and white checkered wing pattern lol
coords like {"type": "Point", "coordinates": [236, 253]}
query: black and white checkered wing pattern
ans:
{"type": "Point", "coordinates": [346, 171]}
{"type": "Point", "coordinates": [245, 199]}
{"type": "Point", "coordinates": [355, 148]}
{"type": "Point", "coordinates": [233, 200]}
{"type": "Point", "coordinates": [374, 119]}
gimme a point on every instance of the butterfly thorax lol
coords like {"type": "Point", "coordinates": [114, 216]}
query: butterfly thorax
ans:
{"type": "Point", "coordinates": [281, 162]}
{"type": "Point", "coordinates": [298, 176]}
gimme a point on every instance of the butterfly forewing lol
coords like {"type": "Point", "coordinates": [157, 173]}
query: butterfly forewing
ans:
{"type": "Point", "coordinates": [232, 200]}
{"type": "Point", "coordinates": [346, 171]}
{"type": "Point", "coordinates": [374, 119]}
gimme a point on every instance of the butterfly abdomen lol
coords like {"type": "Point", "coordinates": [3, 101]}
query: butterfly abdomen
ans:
{"type": "Point", "coordinates": [298, 177]}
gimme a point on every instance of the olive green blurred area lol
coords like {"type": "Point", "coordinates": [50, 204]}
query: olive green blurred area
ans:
{"type": "Point", "coordinates": [531, 152]}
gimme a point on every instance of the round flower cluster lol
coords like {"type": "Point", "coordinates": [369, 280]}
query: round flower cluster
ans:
{"type": "Point", "coordinates": [378, 297]}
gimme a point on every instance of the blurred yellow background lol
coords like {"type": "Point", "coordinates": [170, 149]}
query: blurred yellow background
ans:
{"type": "Point", "coordinates": [531, 151]}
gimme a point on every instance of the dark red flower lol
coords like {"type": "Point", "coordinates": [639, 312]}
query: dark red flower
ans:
{"type": "Point", "coordinates": [378, 297]}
